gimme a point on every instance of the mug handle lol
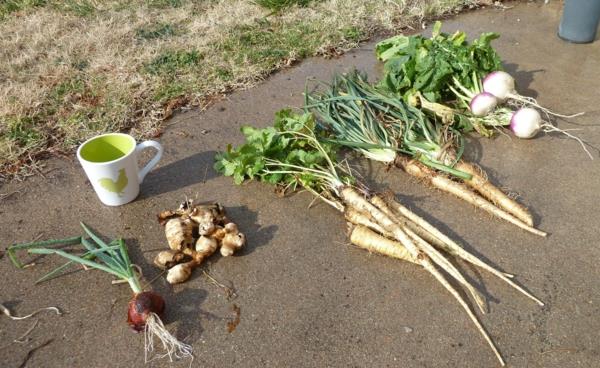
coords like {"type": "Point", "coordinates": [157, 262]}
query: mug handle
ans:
{"type": "Point", "coordinates": [143, 172]}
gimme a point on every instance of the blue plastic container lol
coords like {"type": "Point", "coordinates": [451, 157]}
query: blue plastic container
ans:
{"type": "Point", "coordinates": [579, 21]}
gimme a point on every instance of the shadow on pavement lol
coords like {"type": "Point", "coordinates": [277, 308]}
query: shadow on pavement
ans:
{"type": "Point", "coordinates": [523, 79]}
{"type": "Point", "coordinates": [180, 174]}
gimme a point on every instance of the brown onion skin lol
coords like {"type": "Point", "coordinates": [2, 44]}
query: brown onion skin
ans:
{"type": "Point", "coordinates": [140, 308]}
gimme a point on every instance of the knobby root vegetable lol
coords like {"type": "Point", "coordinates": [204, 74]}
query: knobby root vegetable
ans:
{"type": "Point", "coordinates": [168, 258]}
{"type": "Point", "coordinates": [232, 241]}
{"type": "Point", "coordinates": [179, 232]}
{"type": "Point", "coordinates": [181, 272]}
{"type": "Point", "coordinates": [352, 198]}
{"type": "Point", "coordinates": [493, 194]}
{"type": "Point", "coordinates": [219, 233]}
{"type": "Point", "coordinates": [205, 247]}
{"type": "Point", "coordinates": [445, 184]}
{"type": "Point", "coordinates": [205, 218]}
{"type": "Point", "coordinates": [206, 223]}
{"type": "Point", "coordinates": [206, 244]}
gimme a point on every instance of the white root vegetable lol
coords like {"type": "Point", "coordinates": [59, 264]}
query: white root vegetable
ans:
{"type": "Point", "coordinates": [367, 239]}
{"type": "Point", "coordinates": [206, 244]}
{"type": "Point", "coordinates": [360, 218]}
{"type": "Point", "coordinates": [483, 103]}
{"type": "Point", "coordinates": [179, 233]}
{"type": "Point", "coordinates": [352, 198]}
{"type": "Point", "coordinates": [527, 123]}
{"type": "Point", "coordinates": [502, 85]}
{"type": "Point", "coordinates": [435, 255]}
{"type": "Point", "coordinates": [455, 249]}
{"type": "Point", "coordinates": [492, 193]}
{"type": "Point", "coordinates": [499, 84]}
{"type": "Point", "coordinates": [445, 184]}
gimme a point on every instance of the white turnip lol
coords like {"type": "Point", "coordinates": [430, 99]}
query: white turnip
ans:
{"type": "Point", "coordinates": [483, 103]}
{"type": "Point", "coordinates": [527, 122]}
{"type": "Point", "coordinates": [502, 85]}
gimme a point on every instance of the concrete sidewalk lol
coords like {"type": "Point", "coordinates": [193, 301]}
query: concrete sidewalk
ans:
{"type": "Point", "coordinates": [308, 299]}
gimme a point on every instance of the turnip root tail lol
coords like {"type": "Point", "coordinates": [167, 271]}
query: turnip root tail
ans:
{"type": "Point", "coordinates": [445, 184]}
{"type": "Point", "coordinates": [173, 347]}
{"type": "Point", "coordinates": [549, 128]}
{"type": "Point", "coordinates": [493, 194]}
{"type": "Point", "coordinates": [519, 100]}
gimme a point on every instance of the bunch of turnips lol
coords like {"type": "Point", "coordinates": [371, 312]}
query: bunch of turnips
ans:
{"type": "Point", "coordinates": [463, 83]}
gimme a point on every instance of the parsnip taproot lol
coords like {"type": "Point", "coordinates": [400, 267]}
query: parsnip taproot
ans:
{"type": "Point", "coordinates": [445, 184]}
{"type": "Point", "coordinates": [493, 193]}
{"type": "Point", "coordinates": [353, 198]}
{"type": "Point", "coordinates": [367, 239]}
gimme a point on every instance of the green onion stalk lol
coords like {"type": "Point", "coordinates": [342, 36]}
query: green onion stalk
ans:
{"type": "Point", "coordinates": [382, 127]}
{"type": "Point", "coordinates": [145, 308]}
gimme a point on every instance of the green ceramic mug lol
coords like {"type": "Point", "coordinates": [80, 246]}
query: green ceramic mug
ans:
{"type": "Point", "coordinates": [110, 163]}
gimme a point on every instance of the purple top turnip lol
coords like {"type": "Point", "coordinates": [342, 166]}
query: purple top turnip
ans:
{"type": "Point", "coordinates": [500, 84]}
{"type": "Point", "coordinates": [483, 103]}
{"type": "Point", "coordinates": [526, 122]}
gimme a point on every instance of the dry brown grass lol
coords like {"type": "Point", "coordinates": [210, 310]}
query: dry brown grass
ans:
{"type": "Point", "coordinates": [71, 69]}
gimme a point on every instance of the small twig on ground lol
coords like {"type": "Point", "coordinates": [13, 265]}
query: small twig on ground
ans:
{"type": "Point", "coordinates": [112, 307]}
{"type": "Point", "coordinates": [229, 291]}
{"type": "Point", "coordinates": [154, 279]}
{"type": "Point", "coordinates": [32, 351]}
{"type": "Point", "coordinates": [21, 339]}
{"type": "Point", "coordinates": [205, 172]}
{"type": "Point", "coordinates": [9, 314]}
{"type": "Point", "coordinates": [8, 195]}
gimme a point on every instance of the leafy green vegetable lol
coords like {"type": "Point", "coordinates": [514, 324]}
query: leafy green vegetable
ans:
{"type": "Point", "coordinates": [287, 154]}
{"type": "Point", "coordinates": [415, 63]}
